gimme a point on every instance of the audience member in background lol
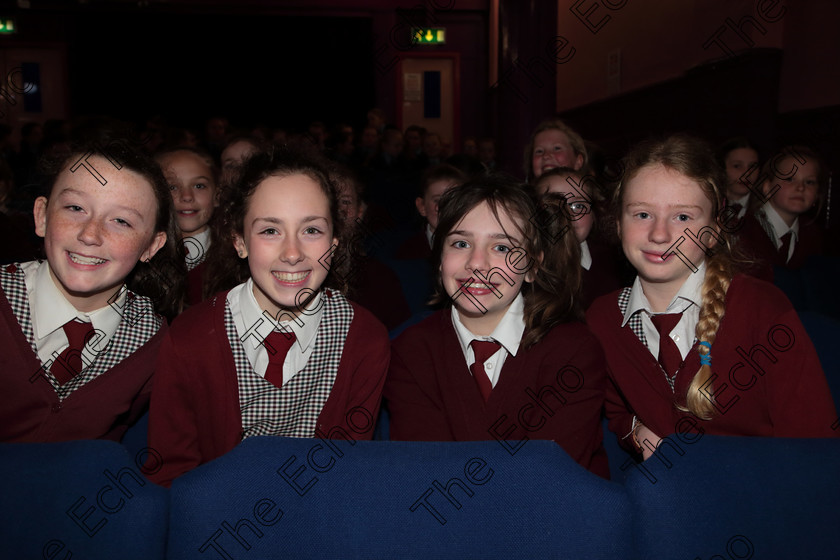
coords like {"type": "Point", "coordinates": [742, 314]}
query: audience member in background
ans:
{"type": "Point", "coordinates": [280, 351]}
{"type": "Point", "coordinates": [317, 134]}
{"type": "Point", "coordinates": [689, 319]}
{"type": "Point", "coordinates": [553, 144]}
{"type": "Point", "coordinates": [434, 183]}
{"type": "Point", "coordinates": [17, 229]}
{"type": "Point", "coordinates": [79, 331]}
{"type": "Point", "coordinates": [368, 146]}
{"type": "Point", "coordinates": [781, 230]}
{"type": "Point", "coordinates": [414, 136]}
{"type": "Point", "coordinates": [239, 148]}
{"type": "Point", "coordinates": [193, 183]}
{"type": "Point", "coordinates": [462, 373]}
{"type": "Point", "coordinates": [487, 154]}
{"type": "Point", "coordinates": [26, 162]}
{"type": "Point", "coordinates": [740, 160]}
{"type": "Point", "coordinates": [583, 207]}
{"type": "Point", "coordinates": [376, 119]}
{"type": "Point", "coordinates": [470, 147]}
{"type": "Point", "coordinates": [216, 130]}
{"type": "Point", "coordinates": [372, 284]}
{"type": "Point", "coordinates": [432, 151]}
{"type": "Point", "coordinates": [340, 146]}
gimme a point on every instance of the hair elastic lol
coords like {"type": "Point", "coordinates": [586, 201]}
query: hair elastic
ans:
{"type": "Point", "coordinates": [706, 359]}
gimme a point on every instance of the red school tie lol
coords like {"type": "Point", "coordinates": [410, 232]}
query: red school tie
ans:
{"type": "Point", "coordinates": [69, 363]}
{"type": "Point", "coordinates": [280, 343]}
{"type": "Point", "coordinates": [483, 350]}
{"type": "Point", "coordinates": [669, 355]}
{"type": "Point", "coordinates": [784, 250]}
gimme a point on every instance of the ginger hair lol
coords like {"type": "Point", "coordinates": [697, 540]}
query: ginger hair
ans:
{"type": "Point", "coordinates": [694, 158]}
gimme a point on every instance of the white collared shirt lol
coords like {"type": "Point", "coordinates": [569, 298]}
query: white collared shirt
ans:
{"type": "Point", "coordinates": [687, 301]}
{"type": "Point", "coordinates": [744, 201]}
{"type": "Point", "coordinates": [778, 228]}
{"type": "Point", "coordinates": [508, 333]}
{"type": "Point", "coordinates": [585, 255]}
{"type": "Point", "coordinates": [253, 325]}
{"type": "Point", "coordinates": [196, 247]}
{"type": "Point", "coordinates": [49, 311]}
{"type": "Point", "coordinates": [430, 235]}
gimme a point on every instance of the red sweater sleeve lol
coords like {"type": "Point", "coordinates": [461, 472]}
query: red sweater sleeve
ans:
{"type": "Point", "coordinates": [173, 428]}
{"type": "Point", "coordinates": [417, 411]}
{"type": "Point", "coordinates": [357, 392]}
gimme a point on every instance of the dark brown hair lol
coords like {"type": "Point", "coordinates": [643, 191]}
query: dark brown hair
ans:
{"type": "Point", "coordinates": [552, 297]}
{"type": "Point", "coordinates": [224, 267]}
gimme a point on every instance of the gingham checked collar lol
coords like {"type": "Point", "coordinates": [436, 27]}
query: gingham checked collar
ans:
{"type": "Point", "coordinates": [139, 324]}
{"type": "Point", "coordinates": [635, 321]}
{"type": "Point", "coordinates": [292, 410]}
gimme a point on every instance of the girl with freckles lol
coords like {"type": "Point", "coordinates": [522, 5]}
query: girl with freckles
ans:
{"type": "Point", "coordinates": [510, 332]}
{"type": "Point", "coordinates": [278, 350]}
{"type": "Point", "coordinates": [79, 330]}
{"type": "Point", "coordinates": [693, 346]}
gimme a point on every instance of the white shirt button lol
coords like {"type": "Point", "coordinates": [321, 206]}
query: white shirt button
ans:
{"type": "Point", "coordinates": [676, 338]}
{"type": "Point", "coordinates": [489, 366]}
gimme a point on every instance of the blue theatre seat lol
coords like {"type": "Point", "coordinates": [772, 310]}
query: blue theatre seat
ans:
{"type": "Point", "coordinates": [738, 498]}
{"type": "Point", "coordinates": [824, 332]}
{"type": "Point", "coordinates": [301, 498]}
{"type": "Point", "coordinates": [79, 499]}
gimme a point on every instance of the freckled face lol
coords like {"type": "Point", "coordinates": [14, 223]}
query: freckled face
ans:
{"type": "Point", "coordinates": [288, 230]}
{"type": "Point", "coordinates": [553, 149]}
{"type": "Point", "coordinates": [658, 204]}
{"type": "Point", "coordinates": [580, 208]}
{"type": "Point", "coordinates": [193, 190]}
{"type": "Point", "coordinates": [95, 234]}
{"type": "Point", "coordinates": [474, 266]}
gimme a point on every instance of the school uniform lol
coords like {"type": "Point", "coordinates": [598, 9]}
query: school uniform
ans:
{"type": "Point", "coordinates": [600, 275]}
{"type": "Point", "coordinates": [432, 394]}
{"type": "Point", "coordinates": [418, 246]}
{"type": "Point", "coordinates": [211, 389]}
{"type": "Point", "coordinates": [768, 379]}
{"type": "Point", "coordinates": [196, 248]}
{"type": "Point", "coordinates": [110, 391]}
{"type": "Point", "coordinates": [761, 238]}
{"type": "Point", "coordinates": [739, 206]}
{"type": "Point", "coordinates": [377, 288]}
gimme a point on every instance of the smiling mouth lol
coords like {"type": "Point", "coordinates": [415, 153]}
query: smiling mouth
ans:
{"type": "Point", "coordinates": [81, 259]}
{"type": "Point", "coordinates": [188, 212]}
{"type": "Point", "coordinates": [655, 256]}
{"type": "Point", "coordinates": [477, 288]}
{"type": "Point", "coordinates": [291, 277]}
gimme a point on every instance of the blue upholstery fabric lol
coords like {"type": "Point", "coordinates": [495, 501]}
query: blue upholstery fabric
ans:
{"type": "Point", "coordinates": [87, 498]}
{"type": "Point", "coordinates": [537, 503]}
{"type": "Point", "coordinates": [621, 462]}
{"type": "Point", "coordinates": [825, 333]}
{"type": "Point", "coordinates": [136, 437]}
{"type": "Point", "coordinates": [723, 496]}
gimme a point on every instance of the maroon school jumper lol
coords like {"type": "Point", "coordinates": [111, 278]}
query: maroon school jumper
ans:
{"type": "Point", "coordinates": [415, 247]}
{"type": "Point", "coordinates": [755, 242]}
{"type": "Point", "coordinates": [195, 413]}
{"type": "Point", "coordinates": [30, 409]}
{"type": "Point", "coordinates": [553, 390]}
{"type": "Point", "coordinates": [768, 382]}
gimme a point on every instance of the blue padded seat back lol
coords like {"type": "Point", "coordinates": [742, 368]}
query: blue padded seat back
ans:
{"type": "Point", "coordinates": [824, 333]}
{"type": "Point", "coordinates": [738, 497]}
{"type": "Point", "coordinates": [378, 499]}
{"type": "Point", "coordinates": [79, 499]}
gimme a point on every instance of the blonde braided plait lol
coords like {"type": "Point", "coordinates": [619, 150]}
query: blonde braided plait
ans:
{"type": "Point", "coordinates": [718, 277]}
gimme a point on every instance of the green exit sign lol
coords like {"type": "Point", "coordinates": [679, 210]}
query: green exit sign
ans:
{"type": "Point", "coordinates": [7, 25]}
{"type": "Point", "coordinates": [428, 36]}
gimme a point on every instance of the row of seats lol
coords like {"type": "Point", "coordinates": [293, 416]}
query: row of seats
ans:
{"type": "Point", "coordinates": [707, 497]}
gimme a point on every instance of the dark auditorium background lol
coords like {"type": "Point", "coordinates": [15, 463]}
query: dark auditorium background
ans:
{"type": "Point", "coordinates": [616, 70]}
